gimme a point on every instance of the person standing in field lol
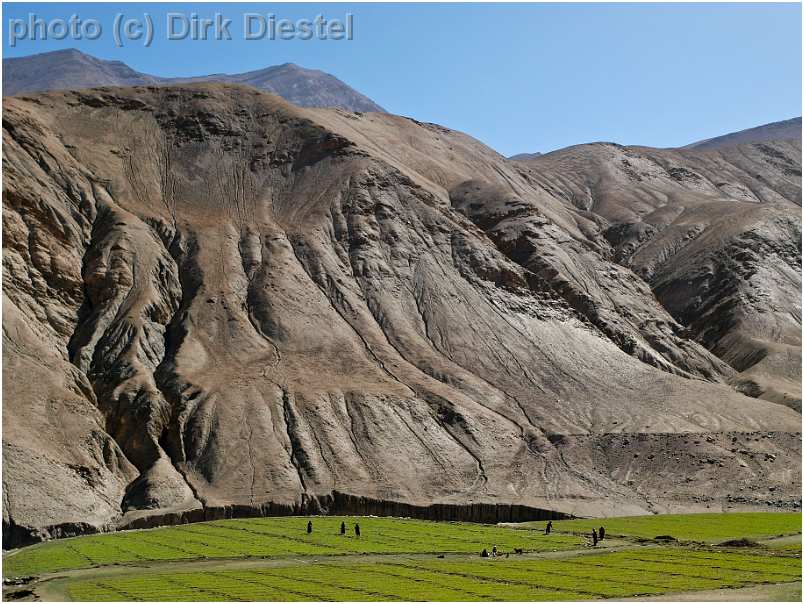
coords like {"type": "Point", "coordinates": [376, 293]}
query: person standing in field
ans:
{"type": "Point", "coordinates": [309, 526]}
{"type": "Point", "coordinates": [343, 528]}
{"type": "Point", "coordinates": [493, 551]}
{"type": "Point", "coordinates": [549, 527]}
{"type": "Point", "coordinates": [594, 537]}
{"type": "Point", "coordinates": [601, 533]}
{"type": "Point", "coordinates": [357, 529]}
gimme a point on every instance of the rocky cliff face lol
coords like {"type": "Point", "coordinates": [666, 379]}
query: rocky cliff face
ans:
{"type": "Point", "coordinates": [215, 300]}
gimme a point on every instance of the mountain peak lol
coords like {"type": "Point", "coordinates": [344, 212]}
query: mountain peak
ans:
{"type": "Point", "coordinates": [56, 53]}
{"type": "Point", "coordinates": [72, 69]}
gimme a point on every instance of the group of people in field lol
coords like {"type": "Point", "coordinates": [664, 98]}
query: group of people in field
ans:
{"type": "Point", "coordinates": [343, 528]}
{"type": "Point", "coordinates": [597, 535]}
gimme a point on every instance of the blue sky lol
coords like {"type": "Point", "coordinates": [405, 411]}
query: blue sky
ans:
{"type": "Point", "coordinates": [518, 77]}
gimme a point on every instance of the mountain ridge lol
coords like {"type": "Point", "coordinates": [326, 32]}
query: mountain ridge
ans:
{"type": "Point", "coordinates": [73, 69]}
{"type": "Point", "coordinates": [676, 216]}
{"type": "Point", "coordinates": [781, 130]}
{"type": "Point", "coordinates": [221, 301]}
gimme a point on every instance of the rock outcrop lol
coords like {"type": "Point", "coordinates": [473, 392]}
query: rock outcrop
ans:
{"type": "Point", "coordinates": [215, 300]}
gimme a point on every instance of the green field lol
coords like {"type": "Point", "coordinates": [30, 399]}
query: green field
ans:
{"type": "Point", "coordinates": [277, 538]}
{"type": "Point", "coordinates": [613, 575]}
{"type": "Point", "coordinates": [706, 528]}
{"type": "Point", "coordinates": [400, 559]}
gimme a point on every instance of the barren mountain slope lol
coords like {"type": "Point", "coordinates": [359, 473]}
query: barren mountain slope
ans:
{"type": "Point", "coordinates": [213, 297]}
{"type": "Point", "coordinates": [776, 131]}
{"type": "Point", "coordinates": [717, 234]}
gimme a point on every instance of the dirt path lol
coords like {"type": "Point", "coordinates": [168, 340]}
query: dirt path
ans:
{"type": "Point", "coordinates": [785, 540]}
{"type": "Point", "coordinates": [778, 592]}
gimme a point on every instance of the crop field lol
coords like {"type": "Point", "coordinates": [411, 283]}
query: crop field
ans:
{"type": "Point", "coordinates": [612, 575]}
{"type": "Point", "coordinates": [278, 538]}
{"type": "Point", "coordinates": [706, 528]}
{"type": "Point", "coordinates": [400, 559]}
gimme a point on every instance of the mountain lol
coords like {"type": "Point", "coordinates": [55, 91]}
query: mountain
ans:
{"type": "Point", "coordinates": [73, 70]}
{"type": "Point", "coordinates": [716, 232]}
{"type": "Point", "coordinates": [217, 303]}
{"type": "Point", "coordinates": [303, 87]}
{"type": "Point", "coordinates": [524, 156]}
{"type": "Point", "coordinates": [776, 131]}
{"type": "Point", "coordinates": [65, 69]}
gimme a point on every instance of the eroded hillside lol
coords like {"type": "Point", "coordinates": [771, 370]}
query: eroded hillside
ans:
{"type": "Point", "coordinates": [717, 235]}
{"type": "Point", "coordinates": [215, 298]}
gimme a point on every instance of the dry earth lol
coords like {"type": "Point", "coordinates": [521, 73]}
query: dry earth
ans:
{"type": "Point", "coordinates": [784, 130]}
{"type": "Point", "coordinates": [213, 297]}
{"type": "Point", "coordinates": [729, 272]}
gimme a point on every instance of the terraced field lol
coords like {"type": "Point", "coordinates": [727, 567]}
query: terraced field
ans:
{"type": "Point", "coordinates": [396, 559]}
{"type": "Point", "coordinates": [611, 575]}
{"type": "Point", "coordinates": [707, 528]}
{"type": "Point", "coordinates": [278, 538]}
